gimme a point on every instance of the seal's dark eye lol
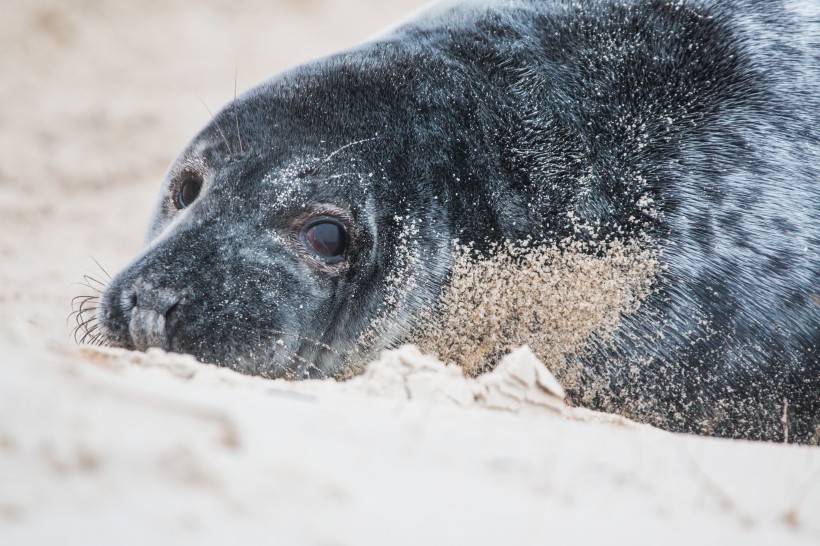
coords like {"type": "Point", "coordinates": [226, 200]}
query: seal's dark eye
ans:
{"type": "Point", "coordinates": [188, 191]}
{"type": "Point", "coordinates": [326, 238]}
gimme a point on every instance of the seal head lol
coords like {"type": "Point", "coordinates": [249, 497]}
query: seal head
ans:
{"type": "Point", "coordinates": [274, 252]}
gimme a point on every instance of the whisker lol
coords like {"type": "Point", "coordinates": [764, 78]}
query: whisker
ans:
{"type": "Point", "coordinates": [75, 333]}
{"type": "Point", "coordinates": [100, 339]}
{"type": "Point", "coordinates": [85, 285]}
{"type": "Point", "coordinates": [87, 310]}
{"type": "Point", "coordinates": [218, 128]}
{"type": "Point", "coordinates": [101, 267]}
{"type": "Point", "coordinates": [235, 113]}
{"type": "Point", "coordinates": [83, 321]}
{"type": "Point", "coordinates": [89, 332]}
{"type": "Point", "coordinates": [78, 316]}
{"type": "Point", "coordinates": [84, 315]}
{"type": "Point", "coordinates": [84, 307]}
{"type": "Point", "coordinates": [84, 298]}
{"type": "Point", "coordinates": [346, 146]}
{"type": "Point", "coordinates": [90, 279]}
{"type": "Point", "coordinates": [78, 313]}
{"type": "Point", "coordinates": [323, 162]}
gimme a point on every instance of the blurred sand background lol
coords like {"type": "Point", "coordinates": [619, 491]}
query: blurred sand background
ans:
{"type": "Point", "coordinates": [107, 447]}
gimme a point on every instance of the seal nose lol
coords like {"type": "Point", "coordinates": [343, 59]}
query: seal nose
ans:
{"type": "Point", "coordinates": [150, 309]}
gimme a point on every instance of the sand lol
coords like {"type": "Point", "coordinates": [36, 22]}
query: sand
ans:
{"type": "Point", "coordinates": [111, 447]}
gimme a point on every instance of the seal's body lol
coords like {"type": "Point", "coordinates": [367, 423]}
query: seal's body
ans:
{"type": "Point", "coordinates": [313, 223]}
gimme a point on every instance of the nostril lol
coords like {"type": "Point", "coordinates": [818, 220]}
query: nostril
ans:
{"type": "Point", "coordinates": [169, 313]}
{"type": "Point", "coordinates": [127, 301]}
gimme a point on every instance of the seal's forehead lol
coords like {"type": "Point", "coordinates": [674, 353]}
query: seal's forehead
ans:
{"type": "Point", "coordinates": [306, 181]}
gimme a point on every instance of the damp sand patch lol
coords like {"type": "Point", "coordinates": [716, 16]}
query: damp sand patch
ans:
{"type": "Point", "coordinates": [550, 298]}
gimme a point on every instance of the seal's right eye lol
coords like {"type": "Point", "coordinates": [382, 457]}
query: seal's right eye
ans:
{"type": "Point", "coordinates": [327, 238]}
{"type": "Point", "coordinates": [188, 191]}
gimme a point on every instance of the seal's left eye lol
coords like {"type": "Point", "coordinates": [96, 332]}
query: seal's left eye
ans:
{"type": "Point", "coordinates": [326, 238]}
{"type": "Point", "coordinates": [188, 191]}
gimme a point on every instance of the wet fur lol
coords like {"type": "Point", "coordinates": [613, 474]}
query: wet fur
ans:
{"type": "Point", "coordinates": [694, 124]}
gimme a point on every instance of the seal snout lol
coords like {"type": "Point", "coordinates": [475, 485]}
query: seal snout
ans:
{"type": "Point", "coordinates": [151, 311]}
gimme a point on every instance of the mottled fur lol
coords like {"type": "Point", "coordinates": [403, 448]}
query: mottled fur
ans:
{"type": "Point", "coordinates": [693, 126]}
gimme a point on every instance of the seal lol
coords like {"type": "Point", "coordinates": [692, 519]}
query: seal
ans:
{"type": "Point", "coordinates": [630, 187]}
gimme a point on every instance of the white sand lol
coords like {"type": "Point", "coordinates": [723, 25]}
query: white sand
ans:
{"type": "Point", "coordinates": [107, 447]}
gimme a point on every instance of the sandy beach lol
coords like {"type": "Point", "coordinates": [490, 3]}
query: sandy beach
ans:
{"type": "Point", "coordinates": [103, 446]}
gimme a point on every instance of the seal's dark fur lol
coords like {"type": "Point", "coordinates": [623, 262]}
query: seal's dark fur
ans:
{"type": "Point", "coordinates": [693, 124]}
